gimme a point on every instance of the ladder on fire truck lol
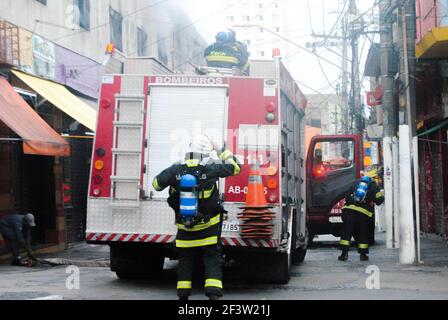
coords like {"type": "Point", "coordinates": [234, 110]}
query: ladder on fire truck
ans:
{"type": "Point", "coordinates": [127, 148]}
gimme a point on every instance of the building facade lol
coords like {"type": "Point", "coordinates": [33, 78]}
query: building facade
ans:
{"type": "Point", "coordinates": [137, 28]}
{"type": "Point", "coordinates": [260, 24]}
{"type": "Point", "coordinates": [432, 113]}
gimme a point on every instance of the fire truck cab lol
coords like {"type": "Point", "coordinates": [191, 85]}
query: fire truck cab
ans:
{"type": "Point", "coordinates": [145, 120]}
{"type": "Point", "coordinates": [334, 163]}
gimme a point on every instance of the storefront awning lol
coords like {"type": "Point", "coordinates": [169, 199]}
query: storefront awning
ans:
{"type": "Point", "coordinates": [38, 137]}
{"type": "Point", "coordinates": [61, 98]}
{"type": "Point", "coordinates": [434, 44]}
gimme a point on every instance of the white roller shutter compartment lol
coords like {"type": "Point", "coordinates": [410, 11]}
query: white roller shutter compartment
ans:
{"type": "Point", "coordinates": [175, 115]}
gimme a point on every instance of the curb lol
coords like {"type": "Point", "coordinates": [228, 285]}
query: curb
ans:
{"type": "Point", "coordinates": [78, 263]}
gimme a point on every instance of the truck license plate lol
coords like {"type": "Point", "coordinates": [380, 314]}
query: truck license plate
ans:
{"type": "Point", "coordinates": [230, 226]}
{"type": "Point", "coordinates": [335, 219]}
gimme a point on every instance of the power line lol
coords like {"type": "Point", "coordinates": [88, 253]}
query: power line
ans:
{"type": "Point", "coordinates": [314, 49]}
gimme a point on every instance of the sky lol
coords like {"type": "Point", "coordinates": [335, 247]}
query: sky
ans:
{"type": "Point", "coordinates": [307, 16]}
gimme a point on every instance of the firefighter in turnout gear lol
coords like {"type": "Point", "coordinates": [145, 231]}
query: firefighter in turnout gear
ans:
{"type": "Point", "coordinates": [193, 188]}
{"type": "Point", "coordinates": [357, 214]}
{"type": "Point", "coordinates": [227, 52]}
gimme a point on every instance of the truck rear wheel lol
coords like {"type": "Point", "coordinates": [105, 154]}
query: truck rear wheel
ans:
{"type": "Point", "coordinates": [280, 268]}
{"type": "Point", "coordinates": [298, 254]}
{"type": "Point", "coordinates": [132, 261]}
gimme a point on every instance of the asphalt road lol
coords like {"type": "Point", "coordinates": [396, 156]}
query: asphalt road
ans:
{"type": "Point", "coordinates": [321, 277]}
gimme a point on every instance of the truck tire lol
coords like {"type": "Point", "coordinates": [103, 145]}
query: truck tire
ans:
{"type": "Point", "coordinates": [133, 261]}
{"type": "Point", "coordinates": [280, 268]}
{"type": "Point", "coordinates": [298, 254]}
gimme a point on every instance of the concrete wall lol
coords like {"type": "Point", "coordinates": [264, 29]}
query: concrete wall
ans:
{"type": "Point", "coordinates": [164, 24]}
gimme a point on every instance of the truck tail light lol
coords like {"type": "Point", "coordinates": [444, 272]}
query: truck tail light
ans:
{"type": "Point", "coordinates": [99, 165]}
{"type": "Point", "coordinates": [105, 103]}
{"type": "Point", "coordinates": [96, 192]}
{"type": "Point", "coordinates": [97, 179]}
{"type": "Point", "coordinates": [272, 198]}
{"type": "Point", "coordinates": [271, 107]}
{"type": "Point", "coordinates": [272, 184]}
{"type": "Point", "coordinates": [270, 117]}
{"type": "Point", "coordinates": [100, 152]}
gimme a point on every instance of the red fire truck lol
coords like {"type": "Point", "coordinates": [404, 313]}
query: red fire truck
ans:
{"type": "Point", "coordinates": [144, 122]}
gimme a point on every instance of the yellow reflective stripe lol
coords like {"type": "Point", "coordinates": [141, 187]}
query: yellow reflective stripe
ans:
{"type": "Point", "coordinates": [155, 184]}
{"type": "Point", "coordinates": [359, 209]}
{"type": "Point", "coordinates": [206, 193]}
{"type": "Point", "coordinates": [213, 283]}
{"type": "Point", "coordinates": [379, 195]}
{"type": "Point", "coordinates": [225, 155]}
{"type": "Point", "coordinates": [183, 284]}
{"type": "Point", "coordinates": [237, 168]}
{"type": "Point", "coordinates": [363, 246]}
{"type": "Point", "coordinates": [196, 243]}
{"type": "Point", "coordinates": [223, 59]}
{"type": "Point", "coordinates": [213, 221]}
{"type": "Point", "coordinates": [344, 243]}
{"type": "Point", "coordinates": [192, 162]}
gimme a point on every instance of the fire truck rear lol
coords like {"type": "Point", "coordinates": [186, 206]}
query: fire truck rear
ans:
{"type": "Point", "coordinates": [146, 120]}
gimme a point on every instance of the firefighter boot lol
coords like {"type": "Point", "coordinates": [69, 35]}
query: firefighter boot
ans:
{"type": "Point", "coordinates": [363, 257]}
{"type": "Point", "coordinates": [343, 256]}
{"type": "Point", "coordinates": [214, 297]}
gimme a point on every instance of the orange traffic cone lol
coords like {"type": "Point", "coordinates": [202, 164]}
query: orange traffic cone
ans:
{"type": "Point", "coordinates": [255, 197]}
{"type": "Point", "coordinates": [256, 217]}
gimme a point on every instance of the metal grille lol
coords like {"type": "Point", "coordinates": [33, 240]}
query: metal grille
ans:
{"type": "Point", "coordinates": [9, 43]}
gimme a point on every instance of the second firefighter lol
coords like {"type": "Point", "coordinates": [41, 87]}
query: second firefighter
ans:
{"type": "Point", "coordinates": [357, 216]}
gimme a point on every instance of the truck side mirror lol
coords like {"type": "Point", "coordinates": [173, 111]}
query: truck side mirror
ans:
{"type": "Point", "coordinates": [318, 156]}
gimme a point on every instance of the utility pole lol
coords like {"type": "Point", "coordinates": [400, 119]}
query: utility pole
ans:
{"type": "Point", "coordinates": [388, 72]}
{"type": "Point", "coordinates": [355, 23]}
{"type": "Point", "coordinates": [405, 43]}
{"type": "Point", "coordinates": [345, 80]}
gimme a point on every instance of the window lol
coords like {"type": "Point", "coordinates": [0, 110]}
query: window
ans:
{"type": "Point", "coordinates": [261, 30]}
{"type": "Point", "coordinates": [83, 14]}
{"type": "Point", "coordinates": [276, 5]}
{"type": "Point", "coordinates": [261, 53]}
{"type": "Point", "coordinates": [260, 18]}
{"type": "Point", "coordinates": [260, 6]}
{"type": "Point", "coordinates": [44, 2]}
{"type": "Point", "coordinates": [333, 155]}
{"type": "Point", "coordinates": [142, 42]}
{"type": "Point", "coordinates": [277, 29]}
{"type": "Point", "coordinates": [116, 29]}
{"type": "Point", "coordinates": [247, 42]}
{"type": "Point", "coordinates": [246, 18]}
{"type": "Point", "coordinates": [230, 19]}
{"type": "Point", "coordinates": [162, 51]}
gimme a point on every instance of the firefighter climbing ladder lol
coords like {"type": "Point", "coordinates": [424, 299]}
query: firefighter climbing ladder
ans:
{"type": "Point", "coordinates": [127, 151]}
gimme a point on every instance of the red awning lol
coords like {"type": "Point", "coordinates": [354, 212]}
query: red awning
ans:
{"type": "Point", "coordinates": [38, 137]}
